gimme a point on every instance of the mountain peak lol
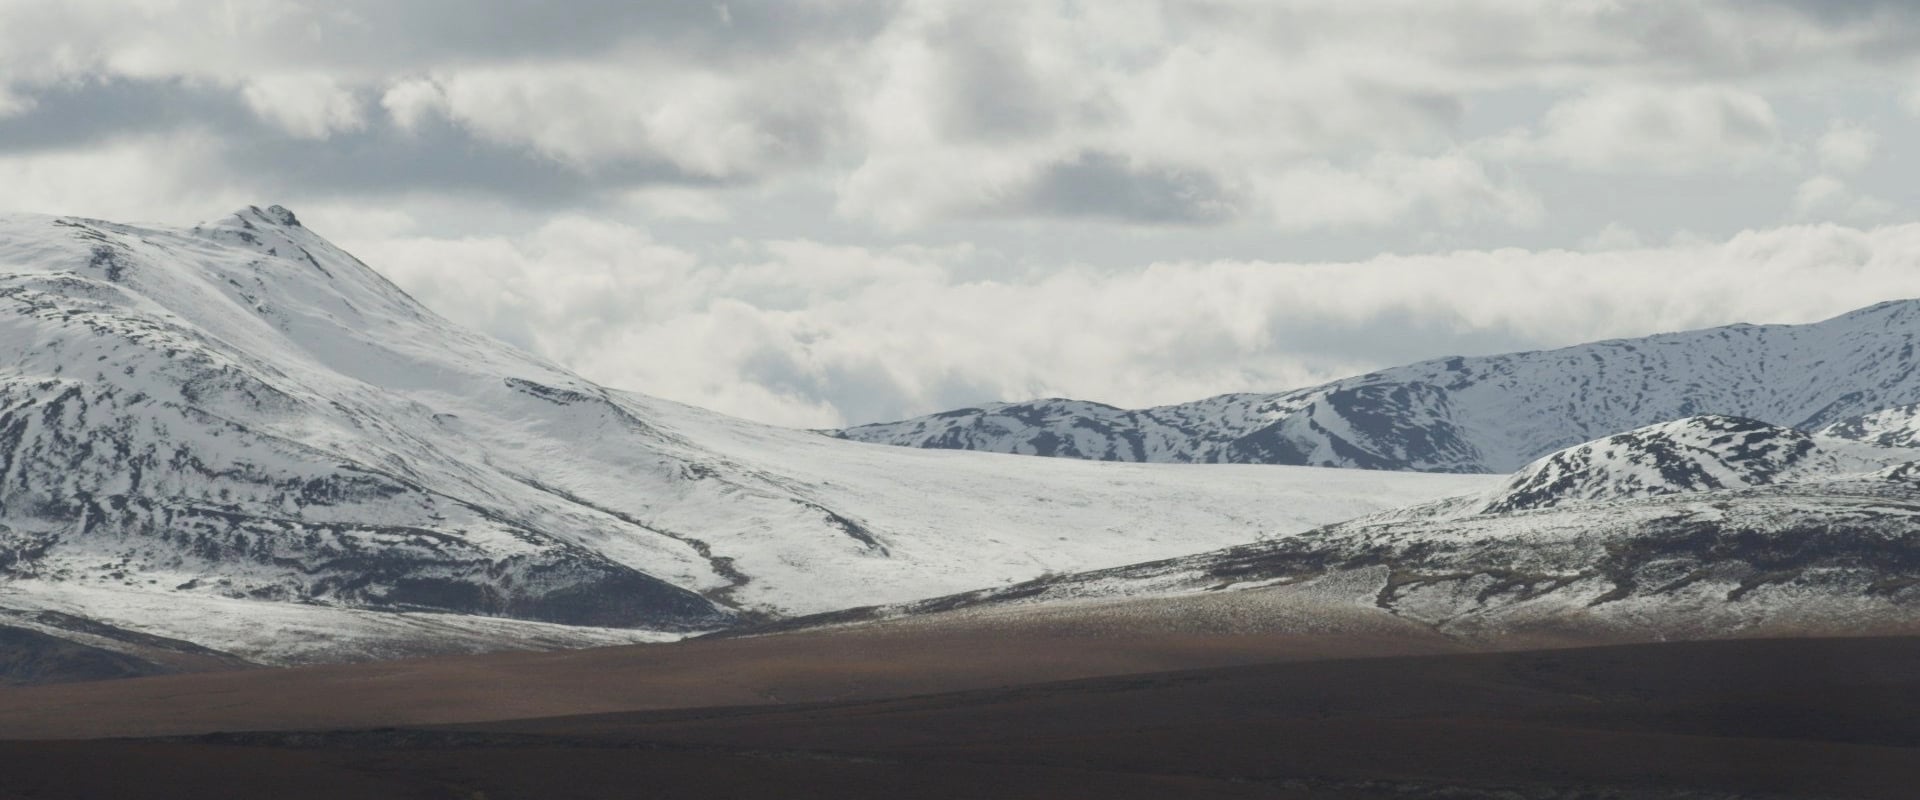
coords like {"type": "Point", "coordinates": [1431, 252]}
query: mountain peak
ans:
{"type": "Point", "coordinates": [252, 217]}
{"type": "Point", "coordinates": [277, 215]}
{"type": "Point", "coordinates": [280, 215]}
{"type": "Point", "coordinates": [1700, 453]}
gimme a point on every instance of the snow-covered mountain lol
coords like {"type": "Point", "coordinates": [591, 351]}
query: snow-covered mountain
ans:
{"type": "Point", "coordinates": [1695, 454]}
{"type": "Point", "coordinates": [1891, 427]}
{"type": "Point", "coordinates": [1704, 527]}
{"type": "Point", "coordinates": [1480, 414]}
{"type": "Point", "coordinates": [238, 436]}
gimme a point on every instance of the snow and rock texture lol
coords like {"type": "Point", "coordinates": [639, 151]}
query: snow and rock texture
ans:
{"type": "Point", "coordinates": [1482, 414]}
{"type": "Point", "coordinates": [240, 437]}
{"type": "Point", "coordinates": [1689, 455]}
{"type": "Point", "coordinates": [1707, 526]}
{"type": "Point", "coordinates": [1891, 427]}
{"type": "Point", "coordinates": [1790, 559]}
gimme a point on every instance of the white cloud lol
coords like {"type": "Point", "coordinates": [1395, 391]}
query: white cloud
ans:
{"type": "Point", "coordinates": [1828, 197]}
{"type": "Point", "coordinates": [928, 112]}
{"type": "Point", "coordinates": [1653, 129]}
{"type": "Point", "coordinates": [1030, 129]}
{"type": "Point", "coordinates": [1614, 236]}
{"type": "Point", "coordinates": [310, 106]}
{"type": "Point", "coordinates": [348, 222]}
{"type": "Point", "coordinates": [155, 178]}
{"type": "Point", "coordinates": [1911, 101]}
{"type": "Point", "coordinates": [1450, 189]}
{"type": "Point", "coordinates": [1817, 193]}
{"type": "Point", "coordinates": [678, 203]}
{"type": "Point", "coordinates": [1152, 114]}
{"type": "Point", "coordinates": [413, 101]}
{"type": "Point", "coordinates": [809, 334]}
{"type": "Point", "coordinates": [12, 102]}
{"type": "Point", "coordinates": [1846, 147]}
{"type": "Point", "coordinates": [705, 122]}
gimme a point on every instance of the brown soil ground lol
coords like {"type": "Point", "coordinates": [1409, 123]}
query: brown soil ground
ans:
{"type": "Point", "coordinates": [959, 710]}
{"type": "Point", "coordinates": [909, 657]}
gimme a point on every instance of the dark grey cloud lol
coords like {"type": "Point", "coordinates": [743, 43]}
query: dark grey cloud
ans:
{"type": "Point", "coordinates": [1105, 185]}
{"type": "Point", "coordinates": [85, 112]}
{"type": "Point", "coordinates": [1884, 31]}
{"type": "Point", "coordinates": [1842, 12]}
{"type": "Point", "coordinates": [378, 34]}
{"type": "Point", "coordinates": [1444, 108]}
{"type": "Point", "coordinates": [1010, 81]}
{"type": "Point", "coordinates": [436, 157]}
{"type": "Point", "coordinates": [496, 29]}
{"type": "Point", "coordinates": [1688, 40]}
{"type": "Point", "coordinates": [377, 160]}
{"type": "Point", "coordinates": [1209, 135]}
{"type": "Point", "coordinates": [994, 93]}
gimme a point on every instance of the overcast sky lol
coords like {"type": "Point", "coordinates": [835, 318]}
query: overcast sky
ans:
{"type": "Point", "coordinates": [822, 213]}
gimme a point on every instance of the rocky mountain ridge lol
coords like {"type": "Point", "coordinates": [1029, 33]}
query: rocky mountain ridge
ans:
{"type": "Point", "coordinates": [1485, 414]}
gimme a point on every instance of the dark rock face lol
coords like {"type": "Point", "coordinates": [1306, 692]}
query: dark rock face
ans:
{"type": "Point", "coordinates": [30, 657]}
{"type": "Point", "coordinates": [281, 216]}
{"type": "Point", "coordinates": [34, 650]}
{"type": "Point", "coordinates": [125, 474]}
{"type": "Point", "coordinates": [613, 596]}
{"type": "Point", "coordinates": [1372, 426]}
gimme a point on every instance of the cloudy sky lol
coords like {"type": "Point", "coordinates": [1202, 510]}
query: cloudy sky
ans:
{"type": "Point", "coordinates": [822, 213]}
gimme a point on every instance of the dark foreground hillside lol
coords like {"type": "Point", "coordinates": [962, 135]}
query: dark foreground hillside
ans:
{"type": "Point", "coordinates": [1758, 718]}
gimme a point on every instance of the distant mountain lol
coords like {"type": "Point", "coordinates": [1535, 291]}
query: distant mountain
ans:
{"type": "Point", "coordinates": [1701, 528]}
{"type": "Point", "coordinates": [1892, 427]}
{"type": "Point", "coordinates": [239, 440]}
{"type": "Point", "coordinates": [1477, 414]}
{"type": "Point", "coordinates": [1695, 454]}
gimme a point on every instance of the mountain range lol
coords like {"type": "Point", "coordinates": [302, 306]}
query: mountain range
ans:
{"type": "Point", "coordinates": [1705, 527]}
{"type": "Point", "coordinates": [1481, 414]}
{"type": "Point", "coordinates": [237, 442]}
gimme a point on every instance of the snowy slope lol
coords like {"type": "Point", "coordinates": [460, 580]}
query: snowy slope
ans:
{"type": "Point", "coordinates": [1705, 526]}
{"type": "Point", "coordinates": [947, 521]}
{"type": "Point", "coordinates": [1891, 427]}
{"type": "Point", "coordinates": [1823, 557]}
{"type": "Point", "coordinates": [1689, 455]}
{"type": "Point", "coordinates": [1482, 414]}
{"type": "Point", "coordinates": [197, 425]}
